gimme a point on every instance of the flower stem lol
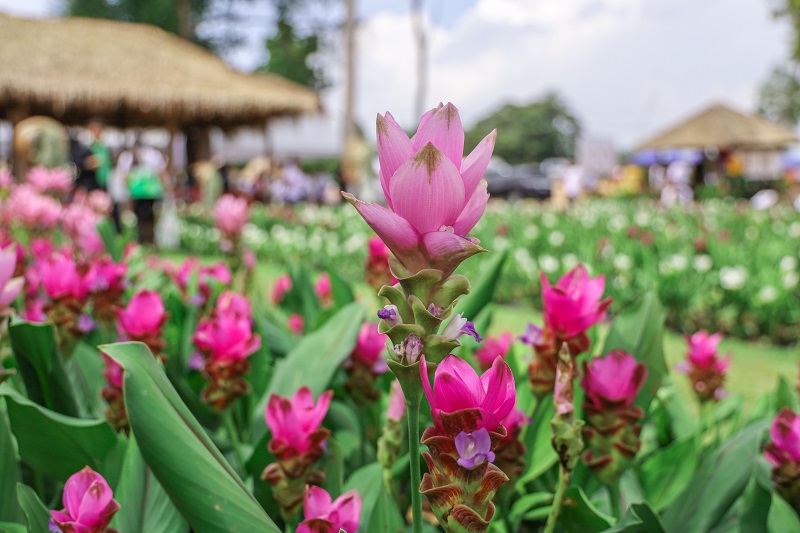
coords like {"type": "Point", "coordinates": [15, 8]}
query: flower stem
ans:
{"type": "Point", "coordinates": [233, 435]}
{"type": "Point", "coordinates": [564, 476]}
{"type": "Point", "coordinates": [412, 414]}
{"type": "Point", "coordinates": [614, 497]}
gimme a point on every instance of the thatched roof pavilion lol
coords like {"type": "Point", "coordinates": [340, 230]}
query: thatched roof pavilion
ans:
{"type": "Point", "coordinates": [132, 75]}
{"type": "Point", "coordinates": [725, 128]}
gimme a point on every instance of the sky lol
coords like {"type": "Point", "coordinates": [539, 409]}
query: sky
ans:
{"type": "Point", "coordinates": [627, 68]}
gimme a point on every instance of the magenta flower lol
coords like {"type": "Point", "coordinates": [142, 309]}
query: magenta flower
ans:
{"type": "Point", "coordinates": [10, 287]}
{"type": "Point", "coordinates": [113, 372]}
{"type": "Point", "coordinates": [435, 198]}
{"type": "Point", "coordinates": [574, 304]}
{"type": "Point", "coordinates": [226, 338]}
{"type": "Point", "coordinates": [282, 286]}
{"type": "Point", "coordinates": [474, 448]}
{"type": "Point", "coordinates": [296, 324]}
{"type": "Point", "coordinates": [457, 388]}
{"type": "Point", "coordinates": [230, 302]}
{"type": "Point", "coordinates": [703, 351]}
{"type": "Point", "coordinates": [323, 289]}
{"type": "Point", "coordinates": [44, 180]}
{"type": "Point", "coordinates": [142, 320]}
{"type": "Point", "coordinates": [324, 516]}
{"type": "Point", "coordinates": [206, 275]}
{"type": "Point", "coordinates": [231, 214]}
{"type": "Point", "coordinates": [33, 209]}
{"type": "Point", "coordinates": [34, 311]}
{"type": "Point", "coordinates": [370, 347]}
{"type": "Point", "coordinates": [88, 502]}
{"type": "Point", "coordinates": [60, 278]}
{"type": "Point", "coordinates": [613, 380]}
{"type": "Point", "coordinates": [295, 422]}
{"type": "Point", "coordinates": [397, 402]}
{"type": "Point", "coordinates": [784, 445]}
{"type": "Point", "coordinates": [107, 275]}
{"type": "Point", "coordinates": [492, 348]}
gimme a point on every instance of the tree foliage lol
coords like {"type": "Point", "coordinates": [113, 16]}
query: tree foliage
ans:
{"type": "Point", "coordinates": [779, 95]}
{"type": "Point", "coordinates": [530, 133]}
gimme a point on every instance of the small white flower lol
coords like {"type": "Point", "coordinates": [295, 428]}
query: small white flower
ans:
{"type": "Point", "coordinates": [767, 294]}
{"type": "Point", "coordinates": [532, 232]}
{"type": "Point", "coordinates": [790, 280]}
{"type": "Point", "coordinates": [732, 278]}
{"type": "Point", "coordinates": [569, 261]}
{"type": "Point", "coordinates": [794, 230]}
{"type": "Point", "coordinates": [788, 263]}
{"type": "Point", "coordinates": [549, 220]}
{"type": "Point", "coordinates": [622, 262]}
{"type": "Point", "coordinates": [556, 238]}
{"type": "Point", "coordinates": [702, 263]}
{"type": "Point", "coordinates": [548, 263]}
{"type": "Point", "coordinates": [751, 233]}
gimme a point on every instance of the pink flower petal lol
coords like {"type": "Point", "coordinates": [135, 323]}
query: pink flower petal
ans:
{"type": "Point", "coordinates": [473, 211]}
{"type": "Point", "coordinates": [8, 262]}
{"type": "Point", "coordinates": [394, 149]}
{"type": "Point", "coordinates": [444, 130]}
{"type": "Point", "coordinates": [11, 291]}
{"type": "Point", "coordinates": [474, 165]}
{"type": "Point", "coordinates": [317, 502]}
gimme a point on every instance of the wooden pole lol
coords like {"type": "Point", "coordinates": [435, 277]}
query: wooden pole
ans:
{"type": "Point", "coordinates": [349, 87]}
{"type": "Point", "coordinates": [421, 41]}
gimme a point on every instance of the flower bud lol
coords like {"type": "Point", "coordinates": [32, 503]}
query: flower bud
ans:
{"type": "Point", "coordinates": [88, 502]}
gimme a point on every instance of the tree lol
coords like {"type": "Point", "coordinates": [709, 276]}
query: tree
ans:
{"type": "Point", "coordinates": [790, 9]}
{"type": "Point", "coordinates": [779, 95]}
{"type": "Point", "coordinates": [530, 133]}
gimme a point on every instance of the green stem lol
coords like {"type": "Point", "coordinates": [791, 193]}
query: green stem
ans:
{"type": "Point", "coordinates": [412, 414]}
{"type": "Point", "coordinates": [233, 435]}
{"type": "Point", "coordinates": [564, 476]}
{"type": "Point", "coordinates": [614, 497]}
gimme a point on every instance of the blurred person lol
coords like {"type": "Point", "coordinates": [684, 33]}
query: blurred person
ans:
{"type": "Point", "coordinates": [293, 186]}
{"type": "Point", "coordinates": [679, 175]}
{"type": "Point", "coordinates": [101, 155]}
{"type": "Point", "coordinates": [145, 184]}
{"type": "Point", "coordinates": [209, 181]}
{"type": "Point", "coordinates": [83, 166]}
{"type": "Point", "coordinates": [573, 178]}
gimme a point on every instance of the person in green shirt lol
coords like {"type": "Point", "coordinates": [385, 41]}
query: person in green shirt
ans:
{"type": "Point", "coordinates": [145, 183]}
{"type": "Point", "coordinates": [101, 153]}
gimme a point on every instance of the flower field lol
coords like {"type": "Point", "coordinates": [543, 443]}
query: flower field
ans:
{"type": "Point", "coordinates": [367, 387]}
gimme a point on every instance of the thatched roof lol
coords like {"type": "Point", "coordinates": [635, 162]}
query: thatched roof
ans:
{"type": "Point", "coordinates": [132, 75]}
{"type": "Point", "coordinates": [723, 127]}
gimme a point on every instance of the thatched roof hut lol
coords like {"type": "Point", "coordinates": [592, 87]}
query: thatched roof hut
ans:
{"type": "Point", "coordinates": [722, 127]}
{"type": "Point", "coordinates": [132, 75]}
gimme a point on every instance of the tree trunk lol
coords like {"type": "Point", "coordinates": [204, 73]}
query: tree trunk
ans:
{"type": "Point", "coordinates": [421, 41]}
{"type": "Point", "coordinates": [349, 85]}
{"type": "Point", "coordinates": [185, 27]}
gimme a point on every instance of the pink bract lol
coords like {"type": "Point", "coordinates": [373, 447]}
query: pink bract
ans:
{"type": "Point", "coordinates": [614, 380]}
{"type": "Point", "coordinates": [143, 317]}
{"type": "Point", "coordinates": [785, 438]}
{"type": "Point", "coordinates": [575, 303]}
{"type": "Point", "coordinates": [292, 421]}
{"type": "Point", "coordinates": [323, 515]}
{"type": "Point", "coordinates": [231, 214]}
{"type": "Point", "coordinates": [88, 502]}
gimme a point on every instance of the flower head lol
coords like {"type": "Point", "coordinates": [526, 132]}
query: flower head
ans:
{"type": "Point", "coordinates": [784, 446]}
{"type": "Point", "coordinates": [143, 317]}
{"type": "Point", "coordinates": [492, 348]}
{"type": "Point", "coordinates": [370, 347]}
{"type": "Point", "coordinates": [54, 180]}
{"type": "Point", "coordinates": [458, 326]}
{"type": "Point", "coordinates": [10, 287]}
{"type": "Point", "coordinates": [575, 303]}
{"type": "Point", "coordinates": [89, 504]}
{"type": "Point", "coordinates": [231, 214]}
{"type": "Point", "coordinates": [457, 388]}
{"type": "Point", "coordinates": [324, 516]}
{"type": "Point", "coordinates": [435, 197]}
{"type": "Point", "coordinates": [397, 402]}
{"type": "Point", "coordinates": [296, 324]}
{"type": "Point", "coordinates": [474, 448]}
{"type": "Point", "coordinates": [282, 286]}
{"type": "Point", "coordinates": [613, 380]}
{"type": "Point", "coordinates": [230, 302]}
{"type": "Point", "coordinates": [703, 351]}
{"type": "Point", "coordinates": [295, 422]}
{"type": "Point", "coordinates": [61, 278]}
{"type": "Point", "coordinates": [226, 337]}
{"type": "Point", "coordinates": [323, 289]}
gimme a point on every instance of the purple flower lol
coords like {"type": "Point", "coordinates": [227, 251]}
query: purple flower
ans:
{"type": "Point", "coordinates": [460, 326]}
{"type": "Point", "coordinates": [532, 336]}
{"type": "Point", "coordinates": [474, 448]}
{"type": "Point", "coordinates": [390, 314]}
{"type": "Point", "coordinates": [411, 349]}
{"type": "Point", "coordinates": [86, 323]}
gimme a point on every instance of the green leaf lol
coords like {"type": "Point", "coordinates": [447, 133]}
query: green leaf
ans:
{"type": "Point", "coordinates": [667, 472]}
{"type": "Point", "coordinates": [334, 472]}
{"type": "Point", "coordinates": [525, 503]}
{"type": "Point", "coordinates": [378, 510]}
{"type": "Point", "coordinates": [37, 514]}
{"type": "Point", "coordinates": [201, 484]}
{"type": "Point", "coordinates": [782, 518]}
{"type": "Point", "coordinates": [720, 480]}
{"type": "Point", "coordinates": [146, 508]}
{"type": "Point", "coordinates": [341, 290]}
{"type": "Point", "coordinates": [578, 515]}
{"type": "Point", "coordinates": [8, 527]}
{"type": "Point", "coordinates": [640, 518]}
{"type": "Point", "coordinates": [9, 469]}
{"type": "Point", "coordinates": [56, 445]}
{"type": "Point", "coordinates": [111, 239]}
{"type": "Point", "coordinates": [273, 333]}
{"type": "Point", "coordinates": [541, 456]}
{"type": "Point", "coordinates": [756, 501]}
{"type": "Point", "coordinates": [41, 367]}
{"type": "Point", "coordinates": [314, 360]}
{"type": "Point", "coordinates": [482, 293]}
{"type": "Point", "coordinates": [639, 330]}
{"type": "Point", "coordinates": [784, 395]}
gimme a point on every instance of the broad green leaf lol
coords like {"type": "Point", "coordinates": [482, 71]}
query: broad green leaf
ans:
{"type": "Point", "coordinates": [273, 333]}
{"type": "Point", "coordinates": [756, 501]}
{"type": "Point", "coordinates": [525, 503]}
{"type": "Point", "coordinates": [782, 518]}
{"type": "Point", "coordinates": [201, 484]}
{"type": "Point", "coordinates": [41, 367]}
{"type": "Point", "coordinates": [667, 472]}
{"type": "Point", "coordinates": [56, 445]}
{"type": "Point", "coordinates": [9, 470]}
{"type": "Point", "coordinates": [87, 368]}
{"type": "Point", "coordinates": [784, 396]}
{"type": "Point", "coordinates": [541, 456]}
{"type": "Point", "coordinates": [147, 508]}
{"type": "Point", "coordinates": [8, 527]}
{"type": "Point", "coordinates": [334, 471]}
{"type": "Point", "coordinates": [378, 511]}
{"type": "Point", "coordinates": [482, 293]}
{"type": "Point", "coordinates": [341, 290]}
{"type": "Point", "coordinates": [638, 330]}
{"type": "Point", "coordinates": [314, 360]}
{"type": "Point", "coordinates": [482, 324]}
{"type": "Point", "coordinates": [639, 518]}
{"type": "Point", "coordinates": [111, 239]}
{"type": "Point", "coordinates": [578, 515]}
{"type": "Point", "coordinates": [720, 480]}
{"type": "Point", "coordinates": [38, 517]}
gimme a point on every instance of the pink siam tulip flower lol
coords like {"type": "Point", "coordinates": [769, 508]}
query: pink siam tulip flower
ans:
{"type": "Point", "coordinates": [143, 319]}
{"type": "Point", "coordinates": [613, 381]}
{"type": "Point", "coordinates": [231, 214]}
{"type": "Point", "coordinates": [6, 179]}
{"type": "Point", "coordinates": [324, 516]}
{"type": "Point", "coordinates": [296, 323]}
{"type": "Point", "coordinates": [32, 209]}
{"type": "Point", "coordinates": [492, 348]}
{"type": "Point", "coordinates": [53, 180]}
{"type": "Point", "coordinates": [88, 502]}
{"type": "Point", "coordinates": [10, 287]}
{"type": "Point", "coordinates": [108, 275]}
{"type": "Point", "coordinates": [435, 197]}
{"type": "Point", "coordinates": [226, 338]}
{"type": "Point", "coordinates": [282, 286]}
{"type": "Point", "coordinates": [377, 271]}
{"type": "Point", "coordinates": [457, 388]}
{"type": "Point", "coordinates": [574, 304]}
{"type": "Point", "coordinates": [249, 259]}
{"type": "Point", "coordinates": [62, 278]}
{"type": "Point", "coordinates": [34, 311]}
{"type": "Point", "coordinates": [370, 347]}
{"type": "Point", "coordinates": [397, 402]}
{"type": "Point", "coordinates": [230, 302]}
{"type": "Point", "coordinates": [100, 202]}
{"type": "Point", "coordinates": [295, 423]}
{"type": "Point", "coordinates": [323, 289]}
{"type": "Point", "coordinates": [784, 445]}
{"type": "Point", "coordinates": [206, 275]}
{"type": "Point", "coordinates": [42, 248]}
{"type": "Point", "coordinates": [704, 367]}
{"type": "Point", "coordinates": [113, 371]}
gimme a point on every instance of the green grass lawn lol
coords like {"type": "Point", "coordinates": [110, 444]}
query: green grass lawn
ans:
{"type": "Point", "coordinates": [755, 368]}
